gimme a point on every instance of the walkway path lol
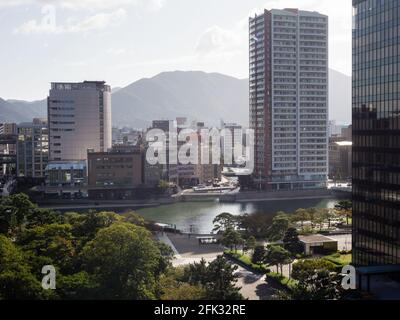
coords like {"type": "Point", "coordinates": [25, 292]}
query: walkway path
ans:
{"type": "Point", "coordinates": [254, 286]}
{"type": "Point", "coordinates": [187, 251]}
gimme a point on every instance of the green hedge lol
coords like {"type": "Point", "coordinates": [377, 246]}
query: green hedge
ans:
{"type": "Point", "coordinates": [245, 261]}
{"type": "Point", "coordinates": [286, 283]}
{"type": "Point", "coordinates": [339, 259]}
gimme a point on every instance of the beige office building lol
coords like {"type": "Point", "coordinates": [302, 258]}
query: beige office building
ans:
{"type": "Point", "coordinates": [79, 119]}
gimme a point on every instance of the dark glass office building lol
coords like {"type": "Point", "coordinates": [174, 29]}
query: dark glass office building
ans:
{"type": "Point", "coordinates": [376, 132]}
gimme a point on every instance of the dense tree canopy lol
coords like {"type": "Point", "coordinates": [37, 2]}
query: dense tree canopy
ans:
{"type": "Point", "coordinates": [97, 255]}
{"type": "Point", "coordinates": [103, 255]}
{"type": "Point", "coordinates": [317, 280]}
{"type": "Point", "coordinates": [54, 241]}
{"type": "Point", "coordinates": [14, 212]}
{"type": "Point", "coordinates": [16, 279]}
{"type": "Point", "coordinates": [123, 259]}
{"type": "Point", "coordinates": [218, 278]}
{"type": "Point", "coordinates": [173, 286]}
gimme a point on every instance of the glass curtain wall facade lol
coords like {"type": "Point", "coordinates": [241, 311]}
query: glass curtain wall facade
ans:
{"type": "Point", "coordinates": [32, 149]}
{"type": "Point", "coordinates": [376, 132]}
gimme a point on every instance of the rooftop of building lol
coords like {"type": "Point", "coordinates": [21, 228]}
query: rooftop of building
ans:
{"type": "Point", "coordinates": [290, 11]}
{"type": "Point", "coordinates": [80, 85]}
{"type": "Point", "coordinates": [316, 238]}
{"type": "Point", "coordinates": [117, 149]}
{"type": "Point", "coordinates": [36, 122]}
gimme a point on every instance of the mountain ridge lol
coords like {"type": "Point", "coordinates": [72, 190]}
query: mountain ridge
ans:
{"type": "Point", "coordinates": [198, 95]}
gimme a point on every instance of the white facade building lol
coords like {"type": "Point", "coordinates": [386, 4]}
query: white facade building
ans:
{"type": "Point", "coordinates": [289, 98]}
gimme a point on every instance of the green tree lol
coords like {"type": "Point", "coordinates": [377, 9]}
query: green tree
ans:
{"type": "Point", "coordinates": [325, 215]}
{"type": "Point", "coordinates": [231, 238]}
{"type": "Point", "coordinates": [258, 256]}
{"type": "Point", "coordinates": [196, 273]}
{"type": "Point", "coordinates": [256, 224]}
{"type": "Point", "coordinates": [78, 286]}
{"type": "Point", "coordinates": [16, 280]}
{"type": "Point", "coordinates": [301, 215]}
{"type": "Point", "coordinates": [280, 224]}
{"type": "Point", "coordinates": [224, 221]}
{"type": "Point", "coordinates": [278, 256]}
{"type": "Point", "coordinates": [184, 291]}
{"type": "Point", "coordinates": [134, 218]}
{"type": "Point", "coordinates": [165, 259]}
{"type": "Point", "coordinates": [250, 243]}
{"type": "Point", "coordinates": [14, 211]}
{"type": "Point", "coordinates": [312, 213]}
{"type": "Point", "coordinates": [292, 243]}
{"type": "Point", "coordinates": [173, 287]}
{"type": "Point", "coordinates": [40, 217]}
{"type": "Point", "coordinates": [54, 241]}
{"type": "Point", "coordinates": [222, 280]}
{"type": "Point", "coordinates": [123, 259]}
{"type": "Point", "coordinates": [218, 278]}
{"type": "Point", "coordinates": [316, 280]}
{"type": "Point", "coordinates": [344, 208]}
{"type": "Point", "coordinates": [86, 226]}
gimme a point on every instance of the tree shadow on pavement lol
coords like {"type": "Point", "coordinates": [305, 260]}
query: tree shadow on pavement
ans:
{"type": "Point", "coordinates": [266, 291]}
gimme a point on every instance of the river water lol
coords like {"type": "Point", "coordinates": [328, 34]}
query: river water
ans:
{"type": "Point", "coordinates": [198, 216]}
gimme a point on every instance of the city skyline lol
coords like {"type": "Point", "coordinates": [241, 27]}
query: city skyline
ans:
{"type": "Point", "coordinates": [216, 43]}
{"type": "Point", "coordinates": [238, 182]}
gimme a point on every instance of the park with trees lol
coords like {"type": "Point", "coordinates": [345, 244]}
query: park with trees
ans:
{"type": "Point", "coordinates": [275, 243]}
{"type": "Point", "coordinates": [97, 255]}
{"type": "Point", "coordinates": [104, 255]}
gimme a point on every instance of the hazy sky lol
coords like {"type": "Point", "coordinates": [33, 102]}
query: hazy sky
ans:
{"type": "Point", "coordinates": [121, 41]}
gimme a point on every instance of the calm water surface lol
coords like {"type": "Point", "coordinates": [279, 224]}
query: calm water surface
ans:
{"type": "Point", "coordinates": [201, 214]}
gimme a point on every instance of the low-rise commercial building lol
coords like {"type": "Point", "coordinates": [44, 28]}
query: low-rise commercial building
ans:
{"type": "Point", "coordinates": [116, 174]}
{"type": "Point", "coordinates": [318, 244]}
{"type": "Point", "coordinates": [68, 174]}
